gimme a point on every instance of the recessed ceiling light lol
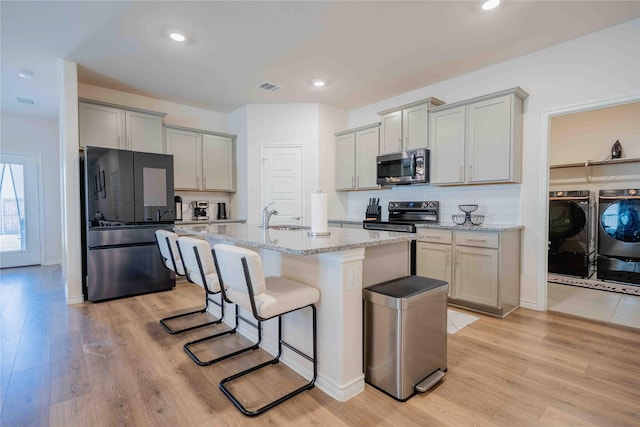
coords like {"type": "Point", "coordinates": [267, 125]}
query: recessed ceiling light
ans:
{"type": "Point", "coordinates": [319, 83]}
{"type": "Point", "coordinates": [490, 4]}
{"type": "Point", "coordinates": [25, 74]}
{"type": "Point", "coordinates": [176, 36]}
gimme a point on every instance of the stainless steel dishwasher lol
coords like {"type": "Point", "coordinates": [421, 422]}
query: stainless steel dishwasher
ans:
{"type": "Point", "coordinates": [405, 335]}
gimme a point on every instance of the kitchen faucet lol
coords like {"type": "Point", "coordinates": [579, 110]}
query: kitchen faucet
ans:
{"type": "Point", "coordinates": [266, 215]}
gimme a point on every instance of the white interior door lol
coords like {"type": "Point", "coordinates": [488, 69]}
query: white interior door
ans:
{"type": "Point", "coordinates": [282, 182]}
{"type": "Point", "coordinates": [19, 210]}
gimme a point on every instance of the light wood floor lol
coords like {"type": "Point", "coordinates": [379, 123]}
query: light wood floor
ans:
{"type": "Point", "coordinates": [111, 364]}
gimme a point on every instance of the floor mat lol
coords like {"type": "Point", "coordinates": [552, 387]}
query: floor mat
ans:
{"type": "Point", "coordinates": [457, 321]}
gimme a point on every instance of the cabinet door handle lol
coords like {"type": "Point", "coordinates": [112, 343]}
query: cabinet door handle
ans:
{"type": "Point", "coordinates": [297, 218]}
{"type": "Point", "coordinates": [434, 237]}
{"type": "Point", "coordinates": [470, 172]}
{"type": "Point", "coordinates": [118, 141]}
{"type": "Point", "coordinates": [198, 181]}
{"type": "Point", "coordinates": [448, 258]}
{"type": "Point", "coordinates": [204, 182]}
{"type": "Point", "coordinates": [129, 142]}
{"type": "Point", "coordinates": [477, 240]}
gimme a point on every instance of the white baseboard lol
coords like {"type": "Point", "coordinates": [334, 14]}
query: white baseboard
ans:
{"type": "Point", "coordinates": [531, 305]}
{"type": "Point", "coordinates": [75, 300]}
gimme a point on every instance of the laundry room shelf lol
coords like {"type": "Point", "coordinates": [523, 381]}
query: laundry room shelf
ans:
{"type": "Point", "coordinates": [589, 163]}
{"type": "Point", "coordinates": [595, 163]}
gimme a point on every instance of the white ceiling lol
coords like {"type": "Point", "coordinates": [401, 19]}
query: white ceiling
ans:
{"type": "Point", "coordinates": [366, 50]}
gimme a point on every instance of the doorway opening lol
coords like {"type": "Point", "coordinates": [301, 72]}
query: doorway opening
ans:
{"type": "Point", "coordinates": [580, 163]}
{"type": "Point", "coordinates": [19, 210]}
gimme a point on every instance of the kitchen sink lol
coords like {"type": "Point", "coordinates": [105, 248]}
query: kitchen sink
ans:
{"type": "Point", "coordinates": [288, 227]}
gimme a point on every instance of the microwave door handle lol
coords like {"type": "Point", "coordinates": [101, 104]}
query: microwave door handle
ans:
{"type": "Point", "coordinates": [413, 166]}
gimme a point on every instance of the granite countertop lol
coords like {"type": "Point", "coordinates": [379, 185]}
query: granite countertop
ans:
{"type": "Point", "coordinates": [482, 227]}
{"type": "Point", "coordinates": [346, 221]}
{"type": "Point", "coordinates": [209, 221]}
{"type": "Point", "coordinates": [294, 242]}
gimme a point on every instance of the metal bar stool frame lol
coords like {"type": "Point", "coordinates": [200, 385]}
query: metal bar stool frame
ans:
{"type": "Point", "coordinates": [163, 322]}
{"type": "Point", "coordinates": [238, 317]}
{"type": "Point", "coordinates": [276, 359]}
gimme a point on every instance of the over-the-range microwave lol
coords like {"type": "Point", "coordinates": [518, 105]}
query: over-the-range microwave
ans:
{"type": "Point", "coordinates": [405, 167]}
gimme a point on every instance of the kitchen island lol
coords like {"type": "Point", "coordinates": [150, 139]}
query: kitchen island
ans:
{"type": "Point", "coordinates": [339, 265]}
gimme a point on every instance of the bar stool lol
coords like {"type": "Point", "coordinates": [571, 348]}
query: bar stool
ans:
{"type": "Point", "coordinates": [172, 259]}
{"type": "Point", "coordinates": [200, 267]}
{"type": "Point", "coordinates": [240, 270]}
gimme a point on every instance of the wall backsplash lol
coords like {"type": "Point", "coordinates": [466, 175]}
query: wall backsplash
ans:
{"type": "Point", "coordinates": [211, 197]}
{"type": "Point", "coordinates": [500, 204]}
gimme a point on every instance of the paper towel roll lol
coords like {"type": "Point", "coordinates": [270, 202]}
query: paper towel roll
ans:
{"type": "Point", "coordinates": [319, 222]}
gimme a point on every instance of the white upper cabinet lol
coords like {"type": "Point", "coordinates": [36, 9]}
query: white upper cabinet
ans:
{"type": "Point", "coordinates": [406, 127]}
{"type": "Point", "coordinates": [391, 132]}
{"type": "Point", "coordinates": [201, 161]}
{"type": "Point", "coordinates": [108, 126]}
{"type": "Point", "coordinates": [144, 132]}
{"type": "Point", "coordinates": [100, 126]}
{"type": "Point", "coordinates": [491, 140]}
{"type": "Point", "coordinates": [217, 163]}
{"type": "Point", "coordinates": [356, 152]}
{"type": "Point", "coordinates": [478, 141]}
{"type": "Point", "coordinates": [447, 136]}
{"type": "Point", "coordinates": [346, 161]}
{"type": "Point", "coordinates": [185, 146]}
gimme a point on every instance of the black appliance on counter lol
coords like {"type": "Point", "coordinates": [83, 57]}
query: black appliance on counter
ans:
{"type": "Point", "coordinates": [126, 197]}
{"type": "Point", "coordinates": [403, 217]}
{"type": "Point", "coordinates": [619, 235]}
{"type": "Point", "coordinates": [570, 233]}
{"type": "Point", "coordinates": [222, 211]}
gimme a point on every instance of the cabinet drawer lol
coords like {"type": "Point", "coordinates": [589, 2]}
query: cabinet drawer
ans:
{"type": "Point", "coordinates": [481, 240]}
{"type": "Point", "coordinates": [434, 235]}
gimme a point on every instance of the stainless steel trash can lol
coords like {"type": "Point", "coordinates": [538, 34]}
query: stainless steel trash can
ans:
{"type": "Point", "coordinates": [405, 335]}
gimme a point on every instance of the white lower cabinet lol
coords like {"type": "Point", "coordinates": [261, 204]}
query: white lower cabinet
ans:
{"type": "Point", "coordinates": [481, 267]}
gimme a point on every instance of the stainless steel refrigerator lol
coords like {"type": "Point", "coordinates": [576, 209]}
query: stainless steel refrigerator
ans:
{"type": "Point", "coordinates": [126, 197]}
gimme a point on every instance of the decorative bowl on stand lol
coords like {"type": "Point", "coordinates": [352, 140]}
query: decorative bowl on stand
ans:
{"type": "Point", "coordinates": [467, 218]}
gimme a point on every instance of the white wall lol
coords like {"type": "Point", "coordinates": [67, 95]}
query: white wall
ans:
{"type": "Point", "coordinates": [277, 124]}
{"type": "Point", "coordinates": [70, 181]}
{"type": "Point", "coordinates": [331, 120]}
{"type": "Point", "coordinates": [240, 199]}
{"type": "Point", "coordinates": [599, 66]}
{"type": "Point", "coordinates": [589, 135]}
{"type": "Point", "coordinates": [21, 134]}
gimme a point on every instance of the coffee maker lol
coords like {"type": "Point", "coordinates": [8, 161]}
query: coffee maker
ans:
{"type": "Point", "coordinates": [200, 208]}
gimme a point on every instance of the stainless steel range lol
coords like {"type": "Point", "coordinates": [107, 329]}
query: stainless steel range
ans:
{"type": "Point", "coordinates": [403, 216]}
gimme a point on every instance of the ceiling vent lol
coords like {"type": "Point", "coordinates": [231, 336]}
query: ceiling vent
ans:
{"type": "Point", "coordinates": [271, 87]}
{"type": "Point", "coordinates": [26, 101]}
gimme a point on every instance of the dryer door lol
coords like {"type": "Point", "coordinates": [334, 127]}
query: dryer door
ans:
{"type": "Point", "coordinates": [621, 220]}
{"type": "Point", "coordinates": [566, 219]}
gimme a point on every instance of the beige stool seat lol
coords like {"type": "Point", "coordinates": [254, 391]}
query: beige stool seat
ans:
{"type": "Point", "coordinates": [244, 284]}
{"type": "Point", "coordinates": [173, 259]}
{"type": "Point", "coordinates": [281, 295]}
